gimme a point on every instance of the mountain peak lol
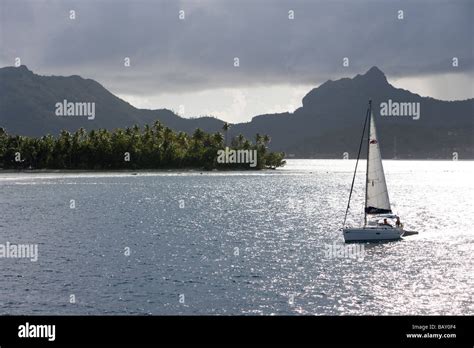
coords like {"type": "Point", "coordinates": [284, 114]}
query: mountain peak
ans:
{"type": "Point", "coordinates": [375, 73]}
{"type": "Point", "coordinates": [374, 80]}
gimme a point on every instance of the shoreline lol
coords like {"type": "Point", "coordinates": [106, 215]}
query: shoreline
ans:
{"type": "Point", "coordinates": [197, 170]}
{"type": "Point", "coordinates": [136, 171]}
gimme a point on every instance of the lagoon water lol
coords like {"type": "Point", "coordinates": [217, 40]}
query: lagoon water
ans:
{"type": "Point", "coordinates": [236, 242]}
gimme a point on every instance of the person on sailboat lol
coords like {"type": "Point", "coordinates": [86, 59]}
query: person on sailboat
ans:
{"type": "Point", "coordinates": [385, 222]}
{"type": "Point", "coordinates": [398, 223]}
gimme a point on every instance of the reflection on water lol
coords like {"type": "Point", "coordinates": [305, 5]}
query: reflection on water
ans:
{"type": "Point", "coordinates": [241, 242]}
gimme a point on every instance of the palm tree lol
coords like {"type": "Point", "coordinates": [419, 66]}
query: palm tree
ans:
{"type": "Point", "coordinates": [198, 134]}
{"type": "Point", "coordinates": [226, 128]}
{"type": "Point", "coordinates": [246, 145]}
{"type": "Point", "coordinates": [182, 139]}
{"type": "Point", "coordinates": [65, 147]}
{"type": "Point", "coordinates": [168, 142]}
{"type": "Point", "coordinates": [46, 148]}
{"type": "Point", "coordinates": [218, 139]}
{"type": "Point", "coordinates": [147, 133]}
{"type": "Point", "coordinates": [240, 139]}
{"type": "Point", "coordinates": [157, 127]}
{"type": "Point", "coordinates": [182, 143]}
{"type": "Point", "coordinates": [266, 139]}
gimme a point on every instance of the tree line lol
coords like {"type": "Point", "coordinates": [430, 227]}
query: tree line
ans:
{"type": "Point", "coordinates": [150, 147]}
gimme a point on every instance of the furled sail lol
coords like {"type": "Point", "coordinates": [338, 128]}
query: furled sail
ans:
{"type": "Point", "coordinates": [377, 201]}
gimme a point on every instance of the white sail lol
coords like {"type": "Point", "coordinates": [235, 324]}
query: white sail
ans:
{"type": "Point", "coordinates": [377, 201]}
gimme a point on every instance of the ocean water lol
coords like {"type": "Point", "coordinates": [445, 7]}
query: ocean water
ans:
{"type": "Point", "coordinates": [236, 242]}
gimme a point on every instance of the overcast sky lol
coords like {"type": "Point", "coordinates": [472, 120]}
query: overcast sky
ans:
{"type": "Point", "coordinates": [188, 64]}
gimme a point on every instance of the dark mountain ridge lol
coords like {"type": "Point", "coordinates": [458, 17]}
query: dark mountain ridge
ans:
{"type": "Point", "coordinates": [328, 124]}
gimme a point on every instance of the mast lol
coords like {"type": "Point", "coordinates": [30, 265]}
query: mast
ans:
{"type": "Point", "coordinates": [367, 171]}
{"type": "Point", "coordinates": [367, 116]}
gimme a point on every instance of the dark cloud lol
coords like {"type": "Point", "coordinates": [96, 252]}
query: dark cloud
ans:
{"type": "Point", "coordinates": [171, 55]}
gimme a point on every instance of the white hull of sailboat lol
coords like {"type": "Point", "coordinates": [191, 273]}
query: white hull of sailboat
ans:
{"type": "Point", "coordinates": [372, 234]}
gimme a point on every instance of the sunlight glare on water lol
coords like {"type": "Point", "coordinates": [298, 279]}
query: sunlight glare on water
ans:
{"type": "Point", "coordinates": [241, 242]}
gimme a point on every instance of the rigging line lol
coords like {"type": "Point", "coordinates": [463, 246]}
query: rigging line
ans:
{"type": "Point", "coordinates": [357, 162]}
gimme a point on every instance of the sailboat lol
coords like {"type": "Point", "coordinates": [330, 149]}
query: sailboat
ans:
{"type": "Point", "coordinates": [377, 212]}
